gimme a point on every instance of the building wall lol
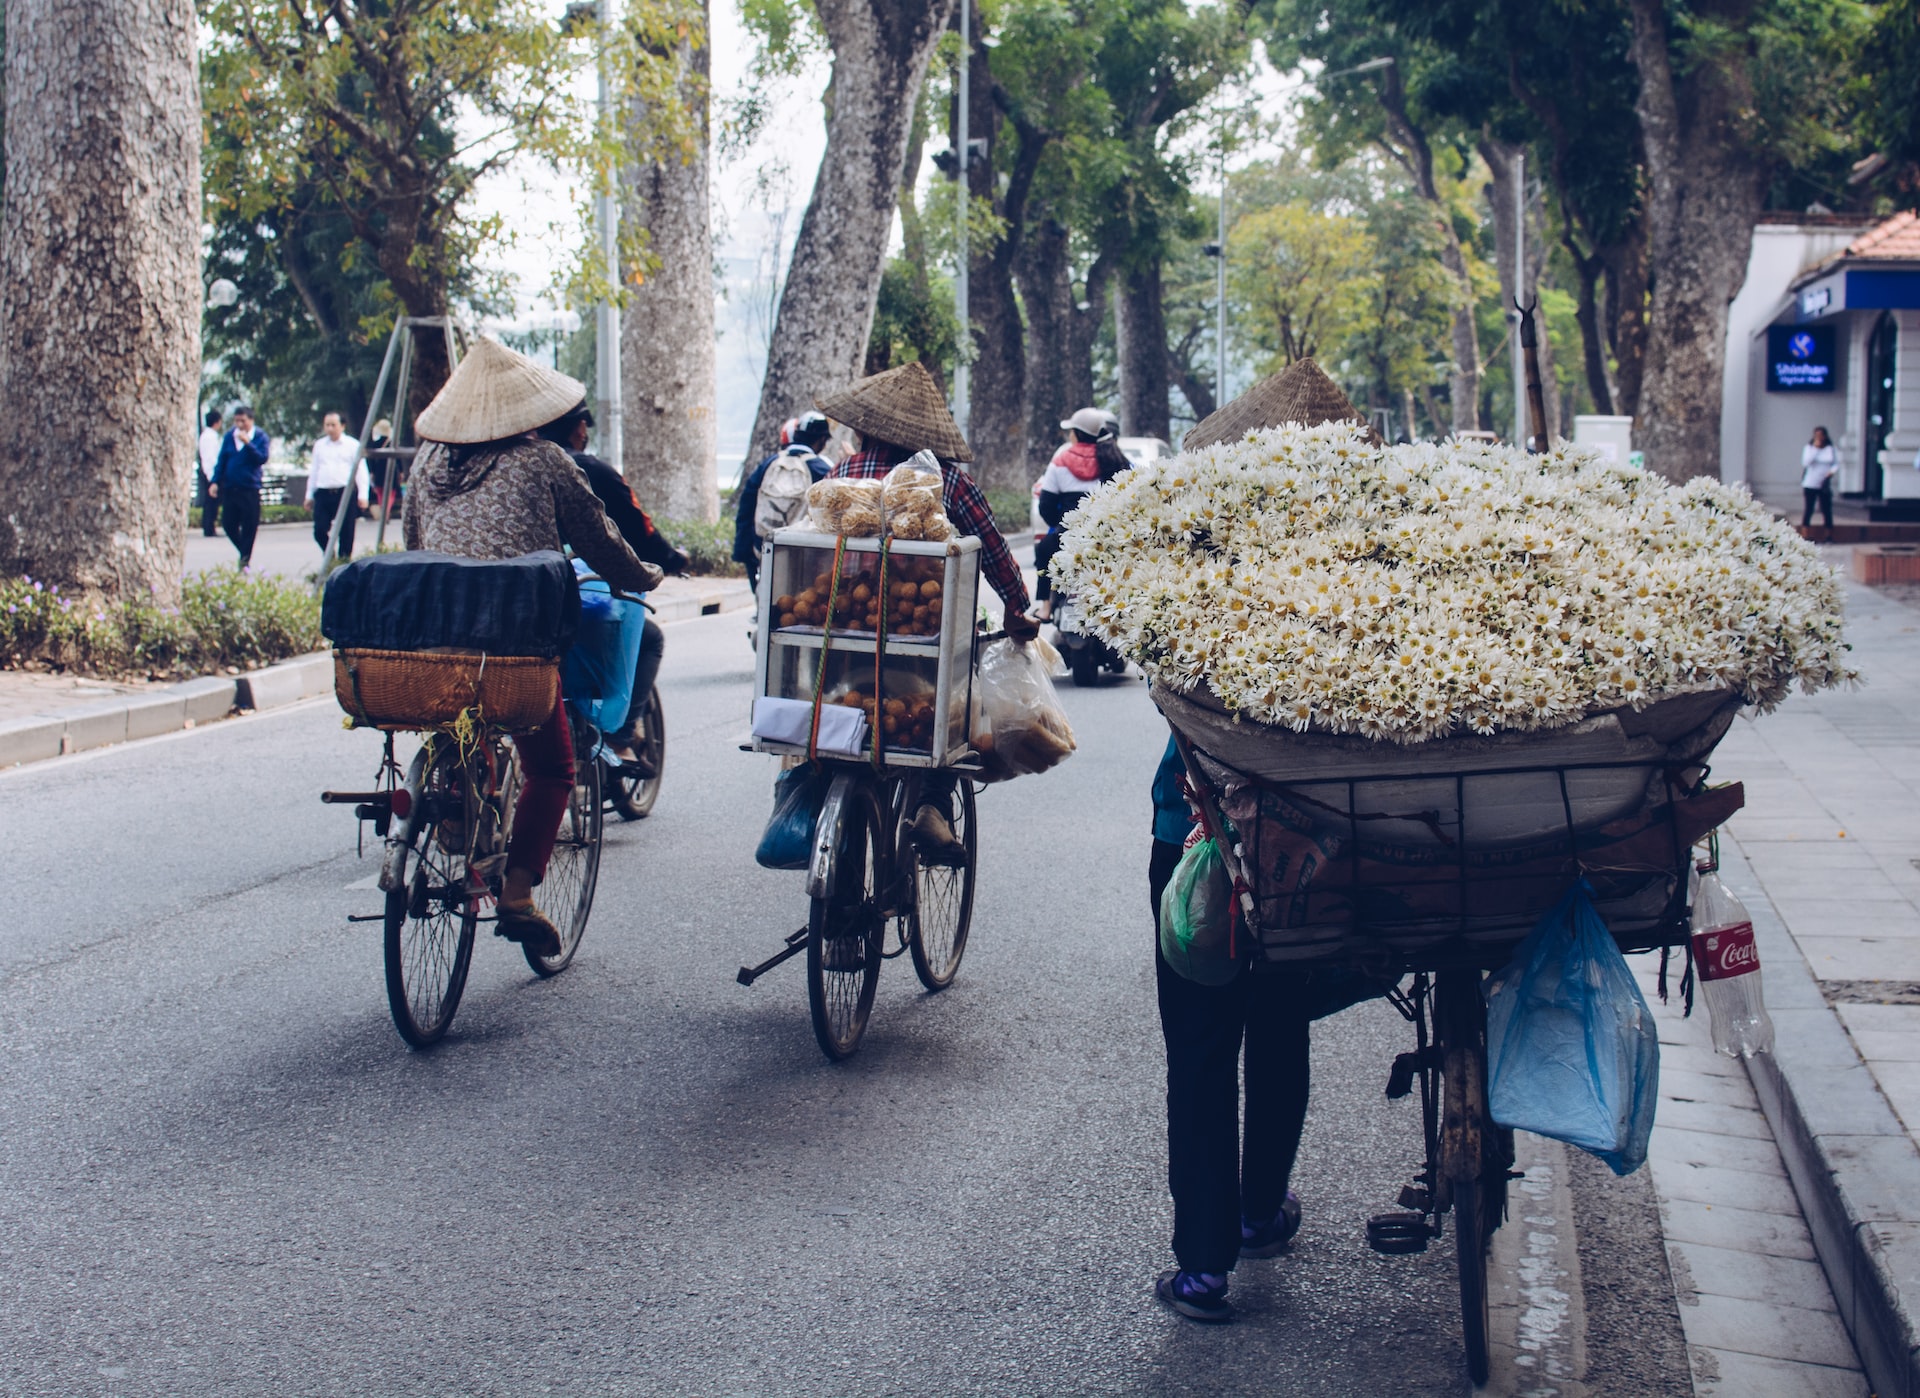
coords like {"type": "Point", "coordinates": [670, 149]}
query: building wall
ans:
{"type": "Point", "coordinates": [1779, 424]}
{"type": "Point", "coordinates": [1751, 448]}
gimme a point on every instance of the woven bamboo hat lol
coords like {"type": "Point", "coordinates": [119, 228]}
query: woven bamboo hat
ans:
{"type": "Point", "coordinates": [1300, 393]}
{"type": "Point", "coordinates": [902, 406]}
{"type": "Point", "coordinates": [496, 393]}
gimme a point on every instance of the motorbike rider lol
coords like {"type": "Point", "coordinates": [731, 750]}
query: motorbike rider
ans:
{"type": "Point", "coordinates": [1090, 456]}
{"type": "Point", "coordinates": [897, 413]}
{"type": "Point", "coordinates": [648, 544]}
{"type": "Point", "coordinates": [484, 485]}
{"type": "Point", "coordinates": [803, 438]}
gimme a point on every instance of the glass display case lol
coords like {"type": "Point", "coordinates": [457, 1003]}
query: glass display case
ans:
{"type": "Point", "coordinates": [916, 686]}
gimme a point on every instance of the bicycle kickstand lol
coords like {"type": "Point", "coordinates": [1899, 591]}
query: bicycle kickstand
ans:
{"type": "Point", "coordinates": [796, 943]}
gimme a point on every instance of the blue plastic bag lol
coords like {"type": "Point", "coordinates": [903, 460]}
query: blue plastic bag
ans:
{"type": "Point", "coordinates": [787, 842]}
{"type": "Point", "coordinates": [598, 672]}
{"type": "Point", "coordinates": [1572, 1051]}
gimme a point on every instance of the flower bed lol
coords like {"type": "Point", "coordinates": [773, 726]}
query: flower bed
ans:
{"type": "Point", "coordinates": [1314, 581]}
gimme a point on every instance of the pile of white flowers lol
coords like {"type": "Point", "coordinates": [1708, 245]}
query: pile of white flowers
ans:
{"type": "Point", "coordinates": [1415, 592]}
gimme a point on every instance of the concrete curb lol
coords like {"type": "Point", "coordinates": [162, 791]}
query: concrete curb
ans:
{"type": "Point", "coordinates": [727, 595]}
{"type": "Point", "coordinates": [1854, 1167]}
{"type": "Point", "coordinates": [286, 683]}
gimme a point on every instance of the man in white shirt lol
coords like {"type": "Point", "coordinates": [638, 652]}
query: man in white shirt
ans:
{"type": "Point", "coordinates": [335, 455]}
{"type": "Point", "coordinates": [209, 454]}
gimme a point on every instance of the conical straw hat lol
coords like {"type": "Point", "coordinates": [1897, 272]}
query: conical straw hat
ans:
{"type": "Point", "coordinates": [902, 406]}
{"type": "Point", "coordinates": [1300, 393]}
{"type": "Point", "coordinates": [496, 393]}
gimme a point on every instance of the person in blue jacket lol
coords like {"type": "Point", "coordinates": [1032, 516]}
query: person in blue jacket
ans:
{"type": "Point", "coordinates": [810, 432]}
{"type": "Point", "coordinates": [1230, 1197]}
{"type": "Point", "coordinates": [238, 474]}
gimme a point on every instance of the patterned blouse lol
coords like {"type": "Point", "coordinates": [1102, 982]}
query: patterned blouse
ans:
{"type": "Point", "coordinates": [505, 499]}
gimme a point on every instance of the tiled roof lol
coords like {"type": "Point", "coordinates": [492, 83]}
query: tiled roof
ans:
{"type": "Point", "coordinates": [1896, 240]}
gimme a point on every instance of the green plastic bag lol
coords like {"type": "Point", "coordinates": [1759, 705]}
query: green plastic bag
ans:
{"type": "Point", "coordinates": [1196, 918]}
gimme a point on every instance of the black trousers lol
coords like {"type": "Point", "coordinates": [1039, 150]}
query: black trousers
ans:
{"type": "Point", "coordinates": [325, 502]}
{"type": "Point", "coordinates": [1823, 497]}
{"type": "Point", "coordinates": [240, 517]}
{"type": "Point", "coordinates": [653, 648]}
{"type": "Point", "coordinates": [209, 508]}
{"type": "Point", "coordinates": [1216, 1173]}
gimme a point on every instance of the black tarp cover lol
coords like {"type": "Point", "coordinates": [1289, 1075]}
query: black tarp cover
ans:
{"type": "Point", "coordinates": [421, 601]}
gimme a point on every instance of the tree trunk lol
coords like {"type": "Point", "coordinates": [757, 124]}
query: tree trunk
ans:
{"type": "Point", "coordinates": [1046, 292]}
{"type": "Point", "coordinates": [1705, 187]}
{"type": "Point", "coordinates": [1088, 317]}
{"type": "Point", "coordinates": [100, 294]}
{"type": "Point", "coordinates": [996, 393]}
{"type": "Point", "coordinates": [880, 54]}
{"type": "Point", "coordinates": [1626, 317]}
{"type": "Point", "coordinates": [1141, 329]}
{"type": "Point", "coordinates": [667, 350]}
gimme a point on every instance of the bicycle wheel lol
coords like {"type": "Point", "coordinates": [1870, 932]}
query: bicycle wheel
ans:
{"type": "Point", "coordinates": [845, 934]}
{"type": "Point", "coordinates": [430, 921]}
{"type": "Point", "coordinates": [573, 871]}
{"type": "Point", "coordinates": [633, 796]}
{"type": "Point", "coordinates": [1474, 1153]}
{"type": "Point", "coordinates": [942, 899]}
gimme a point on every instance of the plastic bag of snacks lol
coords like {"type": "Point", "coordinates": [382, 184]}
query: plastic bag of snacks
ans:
{"type": "Point", "coordinates": [845, 507]}
{"type": "Point", "coordinates": [1022, 727]}
{"type": "Point", "coordinates": [913, 598]}
{"type": "Point", "coordinates": [910, 499]}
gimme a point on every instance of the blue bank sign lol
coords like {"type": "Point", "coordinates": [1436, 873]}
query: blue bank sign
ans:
{"type": "Point", "coordinates": [1800, 359]}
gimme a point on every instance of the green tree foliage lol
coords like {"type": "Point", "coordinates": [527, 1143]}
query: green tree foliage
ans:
{"type": "Point", "coordinates": [914, 319]}
{"type": "Point", "coordinates": [1299, 276]}
{"type": "Point", "coordinates": [1890, 69]}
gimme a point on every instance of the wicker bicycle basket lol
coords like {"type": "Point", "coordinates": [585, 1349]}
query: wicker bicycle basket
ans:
{"type": "Point", "coordinates": [399, 690]}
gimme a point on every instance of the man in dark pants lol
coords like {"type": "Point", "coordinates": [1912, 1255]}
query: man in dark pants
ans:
{"type": "Point", "coordinates": [648, 544]}
{"type": "Point", "coordinates": [1230, 1197]}
{"type": "Point", "coordinates": [237, 477]}
{"type": "Point", "coordinates": [209, 453]}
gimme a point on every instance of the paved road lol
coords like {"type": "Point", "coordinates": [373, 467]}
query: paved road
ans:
{"type": "Point", "coordinates": [222, 1173]}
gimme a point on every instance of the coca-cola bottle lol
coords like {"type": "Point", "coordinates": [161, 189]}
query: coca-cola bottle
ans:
{"type": "Point", "coordinates": [1727, 962]}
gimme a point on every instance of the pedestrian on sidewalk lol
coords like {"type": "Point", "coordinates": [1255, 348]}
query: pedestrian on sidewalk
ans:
{"type": "Point", "coordinates": [336, 457]}
{"type": "Point", "coordinates": [238, 474]}
{"type": "Point", "coordinates": [1230, 1196]}
{"type": "Point", "coordinates": [209, 454]}
{"type": "Point", "coordinates": [1819, 464]}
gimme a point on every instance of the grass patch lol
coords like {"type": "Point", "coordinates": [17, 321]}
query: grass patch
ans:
{"type": "Point", "coordinates": [225, 618]}
{"type": "Point", "coordinates": [1012, 511]}
{"type": "Point", "coordinates": [709, 546]}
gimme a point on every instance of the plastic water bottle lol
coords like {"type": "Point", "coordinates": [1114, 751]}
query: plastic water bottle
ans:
{"type": "Point", "coordinates": [1727, 962]}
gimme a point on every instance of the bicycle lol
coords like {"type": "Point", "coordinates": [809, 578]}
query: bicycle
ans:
{"type": "Point", "coordinates": [633, 787]}
{"type": "Point", "coordinates": [446, 824]}
{"type": "Point", "coordinates": [865, 877]}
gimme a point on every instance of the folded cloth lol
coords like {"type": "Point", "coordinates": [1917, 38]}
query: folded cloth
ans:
{"type": "Point", "coordinates": [843, 731]}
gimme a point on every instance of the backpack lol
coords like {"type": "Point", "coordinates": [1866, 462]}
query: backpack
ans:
{"type": "Point", "coordinates": [783, 494]}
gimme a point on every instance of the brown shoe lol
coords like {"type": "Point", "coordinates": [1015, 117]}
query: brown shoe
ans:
{"type": "Point", "coordinates": [523, 922]}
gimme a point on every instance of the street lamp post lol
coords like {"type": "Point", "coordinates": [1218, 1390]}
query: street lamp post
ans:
{"type": "Point", "coordinates": [963, 148]}
{"type": "Point", "coordinates": [607, 375]}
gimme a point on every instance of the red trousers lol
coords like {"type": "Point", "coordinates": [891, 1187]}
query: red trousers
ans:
{"type": "Point", "coordinates": [547, 775]}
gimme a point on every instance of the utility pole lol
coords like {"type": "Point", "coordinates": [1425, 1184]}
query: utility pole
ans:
{"type": "Point", "coordinates": [1519, 295]}
{"type": "Point", "coordinates": [963, 148]}
{"type": "Point", "coordinates": [606, 316]}
{"type": "Point", "coordinates": [1220, 285]}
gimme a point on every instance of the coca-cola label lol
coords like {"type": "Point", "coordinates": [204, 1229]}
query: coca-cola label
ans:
{"type": "Point", "coordinates": [1724, 952]}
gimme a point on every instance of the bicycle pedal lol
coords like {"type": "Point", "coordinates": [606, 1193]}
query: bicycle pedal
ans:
{"type": "Point", "coordinates": [1416, 1197]}
{"type": "Point", "coordinates": [1405, 1065]}
{"type": "Point", "coordinates": [1399, 1234]}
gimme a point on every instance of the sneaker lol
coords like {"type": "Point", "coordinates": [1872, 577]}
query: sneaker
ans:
{"type": "Point", "coordinates": [933, 837]}
{"type": "Point", "coordinates": [523, 922]}
{"type": "Point", "coordinates": [844, 954]}
{"type": "Point", "coordinates": [1275, 1235]}
{"type": "Point", "coordinates": [1200, 1296]}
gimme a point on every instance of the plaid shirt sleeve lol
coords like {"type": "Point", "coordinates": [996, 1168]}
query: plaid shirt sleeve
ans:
{"type": "Point", "coordinates": [967, 507]}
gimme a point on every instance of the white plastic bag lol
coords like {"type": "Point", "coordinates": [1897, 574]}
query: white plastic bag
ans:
{"type": "Point", "coordinates": [1022, 727]}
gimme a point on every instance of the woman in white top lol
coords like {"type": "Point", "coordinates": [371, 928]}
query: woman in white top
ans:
{"type": "Point", "coordinates": [1819, 464]}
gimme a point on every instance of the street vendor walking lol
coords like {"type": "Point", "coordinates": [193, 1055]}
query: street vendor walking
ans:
{"type": "Point", "coordinates": [484, 486]}
{"type": "Point", "coordinates": [896, 413]}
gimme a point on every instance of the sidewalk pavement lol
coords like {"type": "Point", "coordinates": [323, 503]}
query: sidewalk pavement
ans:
{"type": "Point", "coordinates": [46, 715]}
{"type": "Point", "coordinates": [1827, 857]}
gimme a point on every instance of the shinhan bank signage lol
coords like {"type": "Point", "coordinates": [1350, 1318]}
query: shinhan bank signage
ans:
{"type": "Point", "coordinates": [1800, 359]}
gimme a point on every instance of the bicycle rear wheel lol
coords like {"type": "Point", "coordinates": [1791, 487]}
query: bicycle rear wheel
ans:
{"type": "Point", "coordinates": [845, 933]}
{"type": "Point", "coordinates": [573, 871]}
{"type": "Point", "coordinates": [428, 941]}
{"type": "Point", "coordinates": [1475, 1154]}
{"type": "Point", "coordinates": [942, 898]}
{"type": "Point", "coordinates": [633, 796]}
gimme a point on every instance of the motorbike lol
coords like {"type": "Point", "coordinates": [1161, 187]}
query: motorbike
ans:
{"type": "Point", "coordinates": [1085, 653]}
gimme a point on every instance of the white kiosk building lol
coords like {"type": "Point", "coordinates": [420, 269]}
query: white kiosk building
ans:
{"type": "Point", "coordinates": [1826, 332]}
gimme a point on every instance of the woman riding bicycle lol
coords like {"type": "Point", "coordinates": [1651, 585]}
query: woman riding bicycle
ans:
{"type": "Point", "coordinates": [484, 486]}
